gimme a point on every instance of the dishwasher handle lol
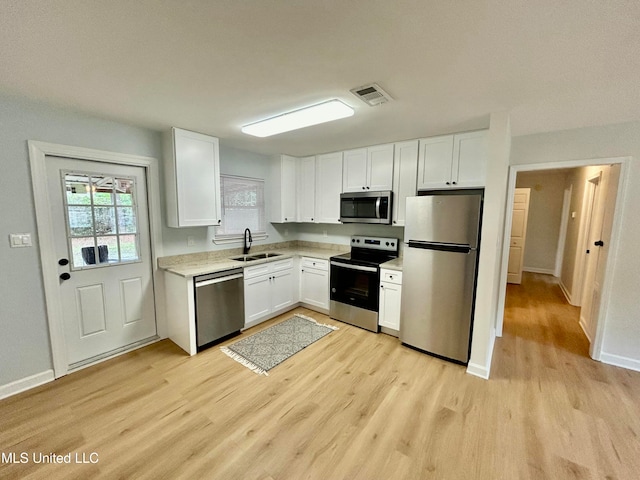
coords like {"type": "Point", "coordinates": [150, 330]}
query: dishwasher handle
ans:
{"type": "Point", "coordinates": [218, 280]}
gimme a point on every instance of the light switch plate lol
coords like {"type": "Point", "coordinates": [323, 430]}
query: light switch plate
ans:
{"type": "Point", "coordinates": [19, 240]}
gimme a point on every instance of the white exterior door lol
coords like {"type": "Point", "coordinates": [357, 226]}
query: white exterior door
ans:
{"type": "Point", "coordinates": [518, 234]}
{"type": "Point", "coordinates": [101, 234]}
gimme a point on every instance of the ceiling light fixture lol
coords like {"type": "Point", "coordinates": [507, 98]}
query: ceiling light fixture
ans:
{"type": "Point", "coordinates": [304, 117]}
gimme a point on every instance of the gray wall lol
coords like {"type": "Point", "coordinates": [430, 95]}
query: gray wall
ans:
{"type": "Point", "coordinates": [24, 334]}
{"type": "Point", "coordinates": [622, 316]}
{"type": "Point", "coordinates": [543, 226]}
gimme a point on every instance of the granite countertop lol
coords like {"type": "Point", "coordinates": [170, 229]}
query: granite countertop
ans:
{"type": "Point", "coordinates": [191, 265]}
{"type": "Point", "coordinates": [395, 264]}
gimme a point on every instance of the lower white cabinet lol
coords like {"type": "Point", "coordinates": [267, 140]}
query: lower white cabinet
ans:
{"type": "Point", "coordinates": [314, 282]}
{"type": "Point", "coordinates": [390, 294]}
{"type": "Point", "coordinates": [268, 290]}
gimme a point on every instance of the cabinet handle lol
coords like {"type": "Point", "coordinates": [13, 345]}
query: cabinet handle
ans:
{"type": "Point", "coordinates": [363, 188]}
{"type": "Point", "coordinates": [285, 219]}
{"type": "Point", "coordinates": [381, 286]}
{"type": "Point", "coordinates": [367, 188]}
{"type": "Point", "coordinates": [455, 183]}
{"type": "Point", "coordinates": [312, 219]}
{"type": "Point", "coordinates": [448, 183]}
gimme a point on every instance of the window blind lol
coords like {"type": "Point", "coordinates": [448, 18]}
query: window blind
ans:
{"type": "Point", "coordinates": [242, 201]}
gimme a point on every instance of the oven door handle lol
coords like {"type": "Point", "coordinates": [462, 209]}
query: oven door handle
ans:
{"type": "Point", "coordinates": [378, 207]}
{"type": "Point", "coordinates": [355, 267]}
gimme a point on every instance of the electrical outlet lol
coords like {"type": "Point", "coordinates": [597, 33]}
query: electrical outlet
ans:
{"type": "Point", "coordinates": [190, 241]}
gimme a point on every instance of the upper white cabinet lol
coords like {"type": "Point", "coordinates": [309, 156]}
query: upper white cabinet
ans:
{"type": "Point", "coordinates": [306, 197]}
{"type": "Point", "coordinates": [453, 161]}
{"type": "Point", "coordinates": [328, 187]}
{"type": "Point", "coordinates": [405, 173]}
{"type": "Point", "coordinates": [368, 169]}
{"type": "Point", "coordinates": [192, 176]}
{"type": "Point", "coordinates": [283, 194]}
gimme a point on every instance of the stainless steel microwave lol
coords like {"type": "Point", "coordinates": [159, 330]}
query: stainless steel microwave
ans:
{"type": "Point", "coordinates": [366, 207]}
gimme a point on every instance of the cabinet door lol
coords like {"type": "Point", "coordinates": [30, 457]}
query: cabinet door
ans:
{"type": "Point", "coordinates": [470, 159]}
{"type": "Point", "coordinates": [314, 287]}
{"type": "Point", "coordinates": [257, 298]}
{"type": "Point", "coordinates": [328, 187]}
{"type": "Point", "coordinates": [193, 180]}
{"type": "Point", "coordinates": [390, 295]}
{"type": "Point", "coordinates": [306, 189]}
{"type": "Point", "coordinates": [405, 175]}
{"type": "Point", "coordinates": [354, 172]}
{"type": "Point", "coordinates": [281, 289]}
{"type": "Point", "coordinates": [434, 166]}
{"type": "Point", "coordinates": [380, 167]}
{"type": "Point", "coordinates": [288, 192]}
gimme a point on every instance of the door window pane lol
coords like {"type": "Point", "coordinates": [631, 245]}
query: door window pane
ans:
{"type": "Point", "coordinates": [100, 233]}
{"type": "Point", "coordinates": [102, 188]}
{"type": "Point", "coordinates": [80, 221]}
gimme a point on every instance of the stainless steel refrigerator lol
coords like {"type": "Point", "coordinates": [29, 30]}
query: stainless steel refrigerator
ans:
{"type": "Point", "coordinates": [441, 237]}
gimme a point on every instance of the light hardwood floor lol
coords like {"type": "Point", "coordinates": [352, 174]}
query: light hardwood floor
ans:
{"type": "Point", "coordinates": [353, 405]}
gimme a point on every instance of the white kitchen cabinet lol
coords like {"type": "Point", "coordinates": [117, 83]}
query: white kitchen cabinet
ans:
{"type": "Point", "coordinates": [306, 192]}
{"type": "Point", "coordinates": [328, 187]}
{"type": "Point", "coordinates": [284, 189]}
{"type": "Point", "coordinates": [268, 290]}
{"type": "Point", "coordinates": [390, 295]}
{"type": "Point", "coordinates": [405, 177]}
{"type": "Point", "coordinates": [314, 283]}
{"type": "Point", "coordinates": [368, 169]}
{"type": "Point", "coordinates": [453, 161]}
{"type": "Point", "coordinates": [192, 179]}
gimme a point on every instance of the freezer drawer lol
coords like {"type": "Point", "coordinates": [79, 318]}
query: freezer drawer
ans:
{"type": "Point", "coordinates": [437, 301]}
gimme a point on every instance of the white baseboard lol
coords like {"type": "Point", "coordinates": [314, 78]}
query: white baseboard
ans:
{"type": "Point", "coordinates": [619, 361]}
{"type": "Point", "coordinates": [546, 271]}
{"type": "Point", "coordinates": [583, 326]}
{"type": "Point", "coordinates": [27, 383]}
{"type": "Point", "coordinates": [567, 295]}
{"type": "Point", "coordinates": [483, 371]}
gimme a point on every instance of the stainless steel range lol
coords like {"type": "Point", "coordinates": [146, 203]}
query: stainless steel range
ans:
{"type": "Point", "coordinates": [355, 280]}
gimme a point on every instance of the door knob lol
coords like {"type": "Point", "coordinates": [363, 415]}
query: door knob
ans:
{"type": "Point", "coordinates": [65, 276]}
{"type": "Point", "coordinates": [599, 243]}
{"type": "Point", "coordinates": [63, 262]}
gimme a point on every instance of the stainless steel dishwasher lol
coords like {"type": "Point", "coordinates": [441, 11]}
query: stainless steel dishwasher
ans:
{"type": "Point", "coordinates": [219, 306]}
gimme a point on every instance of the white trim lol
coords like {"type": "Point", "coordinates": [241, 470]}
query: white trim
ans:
{"type": "Point", "coordinates": [546, 271]}
{"type": "Point", "coordinates": [483, 371]}
{"type": "Point", "coordinates": [620, 361]}
{"type": "Point", "coordinates": [26, 383]}
{"type": "Point", "coordinates": [48, 259]}
{"type": "Point", "coordinates": [566, 293]}
{"type": "Point", "coordinates": [596, 345]}
{"type": "Point", "coordinates": [583, 326]}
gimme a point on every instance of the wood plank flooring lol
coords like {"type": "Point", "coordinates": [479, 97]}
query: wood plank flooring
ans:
{"type": "Point", "coordinates": [353, 405]}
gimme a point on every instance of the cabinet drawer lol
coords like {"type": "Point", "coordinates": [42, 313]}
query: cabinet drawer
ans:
{"type": "Point", "coordinates": [316, 263]}
{"type": "Point", "coordinates": [257, 270]}
{"type": "Point", "coordinates": [391, 276]}
{"type": "Point", "coordinates": [282, 264]}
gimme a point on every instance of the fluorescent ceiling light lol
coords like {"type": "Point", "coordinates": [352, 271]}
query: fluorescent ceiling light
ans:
{"type": "Point", "coordinates": [305, 117]}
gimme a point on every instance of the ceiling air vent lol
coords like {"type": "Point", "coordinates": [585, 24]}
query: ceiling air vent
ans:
{"type": "Point", "coordinates": [371, 94]}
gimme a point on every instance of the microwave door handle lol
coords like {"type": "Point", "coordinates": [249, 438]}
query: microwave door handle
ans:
{"type": "Point", "coordinates": [378, 207]}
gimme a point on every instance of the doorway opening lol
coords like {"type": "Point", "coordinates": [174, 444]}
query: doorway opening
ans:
{"type": "Point", "coordinates": [571, 204]}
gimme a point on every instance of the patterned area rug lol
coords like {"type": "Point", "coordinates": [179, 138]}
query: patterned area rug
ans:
{"type": "Point", "coordinates": [264, 350]}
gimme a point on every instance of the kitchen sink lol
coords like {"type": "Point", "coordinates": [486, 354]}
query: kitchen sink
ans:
{"type": "Point", "coordinates": [245, 258]}
{"type": "Point", "coordinates": [259, 256]}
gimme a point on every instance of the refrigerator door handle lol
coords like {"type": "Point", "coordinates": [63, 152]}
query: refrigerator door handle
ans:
{"type": "Point", "coordinates": [443, 247]}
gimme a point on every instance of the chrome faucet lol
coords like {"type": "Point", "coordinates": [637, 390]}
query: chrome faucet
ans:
{"type": "Point", "coordinates": [247, 241]}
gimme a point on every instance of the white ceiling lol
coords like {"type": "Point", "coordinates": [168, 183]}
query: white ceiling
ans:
{"type": "Point", "coordinates": [215, 65]}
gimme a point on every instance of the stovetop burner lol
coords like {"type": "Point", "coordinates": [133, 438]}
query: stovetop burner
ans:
{"type": "Point", "coordinates": [369, 251]}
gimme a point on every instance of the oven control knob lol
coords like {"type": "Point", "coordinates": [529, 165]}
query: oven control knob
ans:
{"type": "Point", "coordinates": [333, 290]}
{"type": "Point", "coordinates": [358, 240]}
{"type": "Point", "coordinates": [387, 244]}
{"type": "Point", "coordinates": [393, 244]}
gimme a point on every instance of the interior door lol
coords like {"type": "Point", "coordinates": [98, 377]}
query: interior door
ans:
{"type": "Point", "coordinates": [590, 287]}
{"type": "Point", "coordinates": [518, 234]}
{"type": "Point", "coordinates": [101, 231]}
